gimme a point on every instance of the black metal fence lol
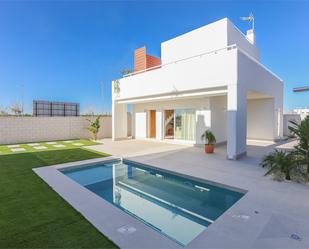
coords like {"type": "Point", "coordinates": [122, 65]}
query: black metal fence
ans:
{"type": "Point", "coordinates": [57, 109]}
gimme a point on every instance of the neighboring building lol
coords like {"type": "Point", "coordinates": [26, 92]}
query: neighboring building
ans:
{"type": "Point", "coordinates": [287, 118]}
{"type": "Point", "coordinates": [209, 78]}
{"type": "Point", "coordinates": [303, 112]}
{"type": "Point", "coordinates": [52, 108]}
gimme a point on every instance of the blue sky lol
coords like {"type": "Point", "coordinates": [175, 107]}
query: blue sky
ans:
{"type": "Point", "coordinates": [67, 50]}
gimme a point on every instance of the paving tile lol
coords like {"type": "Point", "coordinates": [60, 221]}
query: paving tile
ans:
{"type": "Point", "coordinates": [14, 146]}
{"type": "Point", "coordinates": [18, 149]}
{"type": "Point", "coordinates": [58, 145]}
{"type": "Point", "coordinates": [78, 144]}
{"type": "Point", "coordinates": [39, 147]}
{"type": "Point", "coordinates": [33, 144]}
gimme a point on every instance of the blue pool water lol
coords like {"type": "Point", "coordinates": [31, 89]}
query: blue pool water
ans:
{"type": "Point", "coordinates": [175, 206]}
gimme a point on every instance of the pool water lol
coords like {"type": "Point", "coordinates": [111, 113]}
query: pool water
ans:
{"type": "Point", "coordinates": [177, 207]}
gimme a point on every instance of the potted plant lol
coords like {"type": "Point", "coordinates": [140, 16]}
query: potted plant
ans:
{"type": "Point", "coordinates": [210, 140]}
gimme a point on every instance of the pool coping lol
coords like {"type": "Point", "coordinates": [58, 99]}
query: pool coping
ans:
{"type": "Point", "coordinates": [114, 223]}
{"type": "Point", "coordinates": [193, 178]}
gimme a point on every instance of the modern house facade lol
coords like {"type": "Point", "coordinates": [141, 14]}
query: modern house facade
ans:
{"type": "Point", "coordinates": [209, 78]}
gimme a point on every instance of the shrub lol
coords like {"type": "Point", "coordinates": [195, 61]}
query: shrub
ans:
{"type": "Point", "coordinates": [301, 132]}
{"type": "Point", "coordinates": [279, 162]}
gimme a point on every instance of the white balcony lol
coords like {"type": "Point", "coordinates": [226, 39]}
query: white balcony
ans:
{"type": "Point", "coordinates": [197, 73]}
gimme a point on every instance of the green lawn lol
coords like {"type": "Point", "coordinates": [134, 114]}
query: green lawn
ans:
{"type": "Point", "coordinates": [33, 147]}
{"type": "Point", "coordinates": [32, 215]}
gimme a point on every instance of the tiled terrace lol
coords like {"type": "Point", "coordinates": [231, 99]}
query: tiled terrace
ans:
{"type": "Point", "coordinates": [271, 215]}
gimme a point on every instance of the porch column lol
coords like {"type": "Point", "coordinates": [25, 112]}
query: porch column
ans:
{"type": "Point", "coordinates": [119, 121]}
{"type": "Point", "coordinates": [278, 105]}
{"type": "Point", "coordinates": [236, 122]}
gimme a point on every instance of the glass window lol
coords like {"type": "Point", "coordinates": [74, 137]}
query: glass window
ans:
{"type": "Point", "coordinates": [185, 124]}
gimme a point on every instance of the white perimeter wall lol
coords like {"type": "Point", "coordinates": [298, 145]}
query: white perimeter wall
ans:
{"type": "Point", "coordinates": [35, 129]}
{"type": "Point", "coordinates": [260, 119]}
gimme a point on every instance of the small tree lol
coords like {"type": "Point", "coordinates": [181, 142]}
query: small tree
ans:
{"type": "Point", "coordinates": [94, 127]}
{"type": "Point", "coordinates": [279, 161]}
{"type": "Point", "coordinates": [301, 132]}
{"type": "Point", "coordinates": [3, 111]}
{"type": "Point", "coordinates": [16, 108]}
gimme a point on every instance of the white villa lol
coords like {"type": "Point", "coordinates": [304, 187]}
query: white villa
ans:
{"type": "Point", "coordinates": [209, 78]}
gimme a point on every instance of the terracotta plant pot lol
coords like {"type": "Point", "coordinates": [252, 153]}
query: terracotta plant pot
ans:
{"type": "Point", "coordinates": [209, 148]}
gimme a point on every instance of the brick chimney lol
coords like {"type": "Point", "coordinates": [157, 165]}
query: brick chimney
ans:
{"type": "Point", "coordinates": [143, 61]}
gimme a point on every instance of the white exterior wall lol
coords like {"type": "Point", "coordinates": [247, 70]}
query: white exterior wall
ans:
{"type": "Point", "coordinates": [197, 103]}
{"type": "Point", "coordinates": [119, 121]}
{"type": "Point", "coordinates": [208, 38]}
{"type": "Point", "coordinates": [260, 117]}
{"type": "Point", "coordinates": [254, 77]}
{"type": "Point", "coordinates": [213, 118]}
{"type": "Point", "coordinates": [219, 117]}
{"type": "Point", "coordinates": [37, 129]}
{"type": "Point", "coordinates": [236, 121]}
{"type": "Point", "coordinates": [210, 114]}
{"type": "Point", "coordinates": [140, 124]}
{"type": "Point", "coordinates": [198, 41]}
{"type": "Point", "coordinates": [236, 37]}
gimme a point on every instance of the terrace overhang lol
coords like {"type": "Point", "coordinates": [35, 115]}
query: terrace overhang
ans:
{"type": "Point", "coordinates": [175, 95]}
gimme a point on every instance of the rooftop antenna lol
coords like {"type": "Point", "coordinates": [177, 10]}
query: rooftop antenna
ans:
{"type": "Point", "coordinates": [249, 18]}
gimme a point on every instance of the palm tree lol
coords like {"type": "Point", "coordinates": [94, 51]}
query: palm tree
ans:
{"type": "Point", "coordinates": [279, 161]}
{"type": "Point", "coordinates": [301, 132]}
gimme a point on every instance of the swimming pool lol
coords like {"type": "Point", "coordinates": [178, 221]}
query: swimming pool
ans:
{"type": "Point", "coordinates": [178, 207]}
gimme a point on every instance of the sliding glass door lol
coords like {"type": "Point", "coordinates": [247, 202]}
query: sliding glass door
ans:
{"type": "Point", "coordinates": [185, 124]}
